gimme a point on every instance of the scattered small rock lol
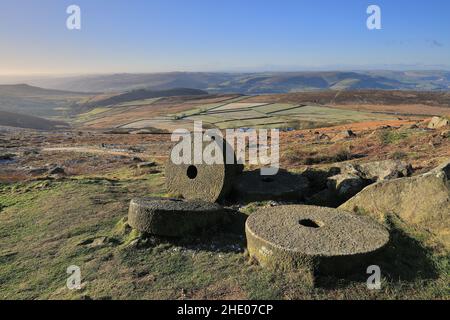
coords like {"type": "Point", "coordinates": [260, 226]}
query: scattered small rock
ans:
{"type": "Point", "coordinates": [95, 242]}
{"type": "Point", "coordinates": [144, 165]}
{"type": "Point", "coordinates": [384, 170]}
{"type": "Point", "coordinates": [37, 171]}
{"type": "Point", "coordinates": [346, 185]}
{"type": "Point", "coordinates": [349, 179]}
{"type": "Point", "coordinates": [445, 134]}
{"type": "Point", "coordinates": [273, 204]}
{"type": "Point", "coordinates": [346, 134]}
{"type": "Point", "coordinates": [56, 170]}
{"type": "Point", "coordinates": [30, 152]}
{"type": "Point", "coordinates": [7, 157]}
{"type": "Point", "coordinates": [436, 141]}
{"type": "Point", "coordinates": [323, 136]}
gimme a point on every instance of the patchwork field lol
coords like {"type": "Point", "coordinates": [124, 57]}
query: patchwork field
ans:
{"type": "Point", "coordinates": [238, 111]}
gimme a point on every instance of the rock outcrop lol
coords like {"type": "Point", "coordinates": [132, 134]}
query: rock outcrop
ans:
{"type": "Point", "coordinates": [383, 170]}
{"type": "Point", "coordinates": [346, 134]}
{"type": "Point", "coordinates": [422, 200]}
{"type": "Point", "coordinates": [352, 178]}
{"type": "Point", "coordinates": [346, 185]}
{"type": "Point", "coordinates": [438, 122]}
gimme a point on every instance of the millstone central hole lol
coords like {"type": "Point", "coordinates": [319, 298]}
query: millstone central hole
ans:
{"type": "Point", "coordinates": [191, 172]}
{"type": "Point", "coordinates": [310, 223]}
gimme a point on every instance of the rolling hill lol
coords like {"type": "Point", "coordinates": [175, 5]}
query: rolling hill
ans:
{"type": "Point", "coordinates": [26, 99]}
{"type": "Point", "coordinates": [255, 83]}
{"type": "Point", "coordinates": [143, 94]}
{"type": "Point", "coordinates": [11, 119]}
{"type": "Point", "coordinates": [25, 90]}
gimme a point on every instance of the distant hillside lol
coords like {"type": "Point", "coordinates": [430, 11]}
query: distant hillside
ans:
{"type": "Point", "coordinates": [256, 83]}
{"type": "Point", "coordinates": [127, 82]}
{"type": "Point", "coordinates": [24, 121]}
{"type": "Point", "coordinates": [360, 97]}
{"type": "Point", "coordinates": [26, 99]}
{"type": "Point", "coordinates": [145, 94]}
{"type": "Point", "coordinates": [307, 81]}
{"type": "Point", "coordinates": [25, 90]}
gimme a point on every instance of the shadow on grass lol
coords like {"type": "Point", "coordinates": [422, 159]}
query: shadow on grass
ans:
{"type": "Point", "coordinates": [252, 186]}
{"type": "Point", "coordinates": [406, 258]}
{"type": "Point", "coordinates": [225, 237]}
{"type": "Point", "coordinates": [403, 259]}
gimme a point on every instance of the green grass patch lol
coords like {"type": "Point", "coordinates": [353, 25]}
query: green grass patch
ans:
{"type": "Point", "coordinates": [88, 115]}
{"type": "Point", "coordinates": [47, 226]}
{"type": "Point", "coordinates": [392, 137]}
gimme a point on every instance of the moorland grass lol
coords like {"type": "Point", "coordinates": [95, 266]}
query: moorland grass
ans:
{"type": "Point", "coordinates": [47, 226]}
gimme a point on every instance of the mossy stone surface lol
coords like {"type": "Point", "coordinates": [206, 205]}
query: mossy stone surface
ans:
{"type": "Point", "coordinates": [173, 218]}
{"type": "Point", "coordinates": [207, 182]}
{"type": "Point", "coordinates": [318, 240]}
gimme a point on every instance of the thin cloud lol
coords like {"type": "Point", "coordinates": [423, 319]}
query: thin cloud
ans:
{"type": "Point", "coordinates": [435, 44]}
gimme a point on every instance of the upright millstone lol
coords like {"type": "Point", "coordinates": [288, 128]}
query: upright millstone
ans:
{"type": "Point", "coordinates": [316, 240]}
{"type": "Point", "coordinates": [202, 181]}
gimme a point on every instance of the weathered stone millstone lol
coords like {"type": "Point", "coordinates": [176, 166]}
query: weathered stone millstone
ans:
{"type": "Point", "coordinates": [207, 182]}
{"type": "Point", "coordinates": [252, 186]}
{"type": "Point", "coordinates": [172, 217]}
{"type": "Point", "coordinates": [316, 240]}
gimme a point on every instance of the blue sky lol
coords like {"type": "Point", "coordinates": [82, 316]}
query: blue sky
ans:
{"type": "Point", "coordinates": [220, 35]}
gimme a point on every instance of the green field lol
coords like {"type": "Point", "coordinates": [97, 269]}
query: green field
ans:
{"type": "Point", "coordinates": [243, 114]}
{"type": "Point", "coordinates": [230, 113]}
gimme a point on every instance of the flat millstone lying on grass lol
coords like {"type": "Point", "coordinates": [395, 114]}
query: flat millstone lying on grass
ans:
{"type": "Point", "coordinates": [173, 218]}
{"type": "Point", "coordinates": [317, 240]}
